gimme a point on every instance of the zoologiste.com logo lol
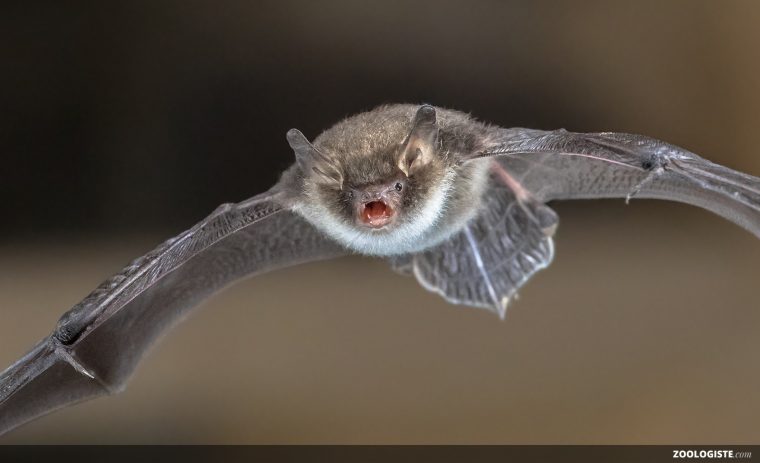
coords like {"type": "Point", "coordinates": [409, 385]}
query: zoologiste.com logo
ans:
{"type": "Point", "coordinates": [711, 454]}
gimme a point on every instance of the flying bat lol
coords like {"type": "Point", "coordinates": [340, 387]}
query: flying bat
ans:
{"type": "Point", "coordinates": [457, 203]}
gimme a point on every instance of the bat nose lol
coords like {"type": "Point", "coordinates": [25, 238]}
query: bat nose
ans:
{"type": "Point", "coordinates": [374, 194]}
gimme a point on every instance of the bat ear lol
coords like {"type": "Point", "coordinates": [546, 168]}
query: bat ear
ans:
{"type": "Point", "coordinates": [420, 145]}
{"type": "Point", "coordinates": [312, 161]}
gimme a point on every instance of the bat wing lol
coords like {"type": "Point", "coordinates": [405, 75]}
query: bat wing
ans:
{"type": "Point", "coordinates": [510, 238]}
{"type": "Point", "coordinates": [495, 253]}
{"type": "Point", "coordinates": [567, 165]}
{"type": "Point", "coordinates": [98, 343]}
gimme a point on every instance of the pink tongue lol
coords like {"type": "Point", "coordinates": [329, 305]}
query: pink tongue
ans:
{"type": "Point", "coordinates": [375, 210]}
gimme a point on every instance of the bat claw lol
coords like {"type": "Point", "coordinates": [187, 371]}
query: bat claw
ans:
{"type": "Point", "coordinates": [66, 356]}
{"type": "Point", "coordinates": [654, 171]}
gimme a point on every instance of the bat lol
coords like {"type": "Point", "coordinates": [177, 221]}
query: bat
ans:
{"type": "Point", "coordinates": [457, 203]}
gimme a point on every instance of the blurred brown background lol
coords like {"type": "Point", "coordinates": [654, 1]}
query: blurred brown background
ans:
{"type": "Point", "coordinates": [122, 124]}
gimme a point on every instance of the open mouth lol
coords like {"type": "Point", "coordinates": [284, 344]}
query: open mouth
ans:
{"type": "Point", "coordinates": [376, 214]}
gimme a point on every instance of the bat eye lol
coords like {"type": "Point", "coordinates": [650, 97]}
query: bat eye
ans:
{"type": "Point", "coordinates": [350, 195]}
{"type": "Point", "coordinates": [399, 186]}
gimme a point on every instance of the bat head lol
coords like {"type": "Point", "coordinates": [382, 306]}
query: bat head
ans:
{"type": "Point", "coordinates": [375, 184]}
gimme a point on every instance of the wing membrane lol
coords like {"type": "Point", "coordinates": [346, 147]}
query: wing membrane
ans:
{"type": "Point", "coordinates": [98, 343]}
{"type": "Point", "coordinates": [496, 253]}
{"type": "Point", "coordinates": [567, 165]}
